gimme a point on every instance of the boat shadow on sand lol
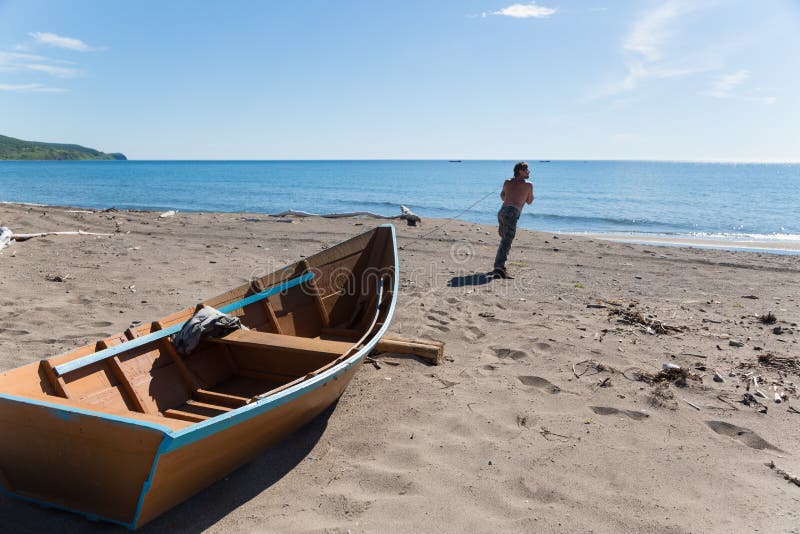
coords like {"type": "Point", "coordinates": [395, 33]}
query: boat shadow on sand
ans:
{"type": "Point", "coordinates": [196, 514]}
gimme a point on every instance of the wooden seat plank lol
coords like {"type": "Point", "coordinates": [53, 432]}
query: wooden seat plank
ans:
{"type": "Point", "coordinates": [185, 416]}
{"type": "Point", "coordinates": [252, 338]}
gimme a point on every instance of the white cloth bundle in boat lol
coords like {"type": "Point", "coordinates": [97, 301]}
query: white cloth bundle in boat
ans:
{"type": "Point", "coordinates": [207, 321]}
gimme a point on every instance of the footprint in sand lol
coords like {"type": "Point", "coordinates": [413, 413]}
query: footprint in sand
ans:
{"type": "Point", "coordinates": [452, 300]}
{"type": "Point", "coordinates": [437, 320]}
{"type": "Point", "coordinates": [510, 353]}
{"type": "Point", "coordinates": [496, 320]}
{"type": "Point", "coordinates": [540, 383]}
{"type": "Point", "coordinates": [99, 324]}
{"type": "Point", "coordinates": [608, 410]}
{"type": "Point", "coordinates": [489, 367]}
{"type": "Point", "coordinates": [477, 332]}
{"type": "Point", "coordinates": [744, 435]}
{"type": "Point", "coordinates": [14, 332]}
{"type": "Point", "coordinates": [543, 346]}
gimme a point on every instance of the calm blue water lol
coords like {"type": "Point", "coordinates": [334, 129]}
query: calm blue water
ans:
{"type": "Point", "coordinates": [733, 201]}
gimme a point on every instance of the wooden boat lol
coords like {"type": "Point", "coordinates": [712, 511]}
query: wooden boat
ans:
{"type": "Point", "coordinates": [125, 428]}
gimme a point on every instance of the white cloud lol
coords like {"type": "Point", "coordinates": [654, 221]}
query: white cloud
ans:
{"type": "Point", "coordinates": [651, 31]}
{"type": "Point", "coordinates": [652, 50]}
{"type": "Point", "coordinates": [30, 88]}
{"type": "Point", "coordinates": [725, 85]}
{"type": "Point", "coordinates": [526, 11]}
{"type": "Point", "coordinates": [58, 41]}
{"type": "Point", "coordinates": [61, 72]}
{"type": "Point", "coordinates": [21, 60]}
{"type": "Point", "coordinates": [7, 58]}
{"type": "Point", "coordinates": [16, 61]}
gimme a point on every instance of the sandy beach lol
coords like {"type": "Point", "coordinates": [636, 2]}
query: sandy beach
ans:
{"type": "Point", "coordinates": [551, 412]}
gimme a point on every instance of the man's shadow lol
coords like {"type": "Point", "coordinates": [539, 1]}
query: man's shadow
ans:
{"type": "Point", "coordinates": [477, 279]}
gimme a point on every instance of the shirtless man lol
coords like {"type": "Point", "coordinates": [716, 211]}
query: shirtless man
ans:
{"type": "Point", "coordinates": [515, 194]}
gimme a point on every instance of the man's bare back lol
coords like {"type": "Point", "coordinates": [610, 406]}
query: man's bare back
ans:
{"type": "Point", "coordinates": [517, 192]}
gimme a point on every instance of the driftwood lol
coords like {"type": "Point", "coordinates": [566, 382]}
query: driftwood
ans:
{"type": "Point", "coordinates": [429, 350]}
{"type": "Point", "coordinates": [25, 237]}
{"type": "Point", "coordinates": [405, 214]}
{"type": "Point", "coordinates": [432, 351]}
{"type": "Point", "coordinates": [7, 236]}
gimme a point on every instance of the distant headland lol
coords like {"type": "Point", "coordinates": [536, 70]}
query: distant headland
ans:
{"type": "Point", "coordinates": [17, 149]}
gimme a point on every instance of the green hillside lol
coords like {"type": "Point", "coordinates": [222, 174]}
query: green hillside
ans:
{"type": "Point", "coordinates": [18, 149]}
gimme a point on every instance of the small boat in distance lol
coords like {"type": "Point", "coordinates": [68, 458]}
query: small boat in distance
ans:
{"type": "Point", "coordinates": [125, 428]}
{"type": "Point", "coordinates": [454, 161]}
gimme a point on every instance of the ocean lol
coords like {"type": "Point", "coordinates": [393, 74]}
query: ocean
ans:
{"type": "Point", "coordinates": [721, 201]}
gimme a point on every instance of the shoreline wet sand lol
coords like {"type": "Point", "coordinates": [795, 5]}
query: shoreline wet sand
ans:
{"type": "Point", "coordinates": [551, 413]}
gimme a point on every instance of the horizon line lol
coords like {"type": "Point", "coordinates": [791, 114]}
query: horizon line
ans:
{"type": "Point", "coordinates": [460, 160]}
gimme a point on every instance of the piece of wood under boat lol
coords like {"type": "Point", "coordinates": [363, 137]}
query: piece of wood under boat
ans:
{"type": "Point", "coordinates": [125, 428]}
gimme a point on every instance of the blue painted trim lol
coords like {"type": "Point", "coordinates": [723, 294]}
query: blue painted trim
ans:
{"type": "Point", "coordinates": [144, 340]}
{"type": "Point", "coordinates": [147, 483]}
{"type": "Point", "coordinates": [72, 410]}
{"type": "Point", "coordinates": [267, 293]}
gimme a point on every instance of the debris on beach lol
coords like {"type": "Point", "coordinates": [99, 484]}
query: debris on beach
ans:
{"type": "Point", "coordinates": [782, 363]}
{"type": "Point", "coordinates": [768, 318]}
{"type": "Point", "coordinates": [170, 213]}
{"type": "Point", "coordinates": [663, 397]}
{"type": "Point", "coordinates": [631, 315]}
{"type": "Point", "coordinates": [775, 372]}
{"type": "Point", "coordinates": [749, 400]}
{"type": "Point", "coordinates": [581, 368]}
{"type": "Point", "coordinates": [5, 237]}
{"type": "Point", "coordinates": [671, 373]}
{"type": "Point", "coordinates": [405, 214]}
{"type": "Point", "coordinates": [786, 476]}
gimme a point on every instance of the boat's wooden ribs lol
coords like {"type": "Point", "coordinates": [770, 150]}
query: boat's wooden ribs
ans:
{"type": "Point", "coordinates": [119, 373]}
{"type": "Point", "coordinates": [273, 319]}
{"type": "Point", "coordinates": [318, 298]}
{"type": "Point", "coordinates": [56, 381]}
{"type": "Point", "coordinates": [166, 346]}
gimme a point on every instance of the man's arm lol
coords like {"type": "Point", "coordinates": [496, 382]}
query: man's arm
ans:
{"type": "Point", "coordinates": [529, 200]}
{"type": "Point", "coordinates": [503, 191]}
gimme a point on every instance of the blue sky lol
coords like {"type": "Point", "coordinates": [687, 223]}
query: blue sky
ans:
{"type": "Point", "coordinates": [711, 80]}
